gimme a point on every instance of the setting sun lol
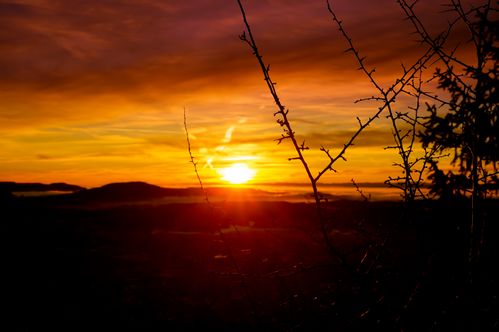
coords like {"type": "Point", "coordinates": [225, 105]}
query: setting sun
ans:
{"type": "Point", "coordinates": [237, 173]}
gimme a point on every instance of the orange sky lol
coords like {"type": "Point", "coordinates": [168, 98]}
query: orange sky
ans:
{"type": "Point", "coordinates": [93, 92]}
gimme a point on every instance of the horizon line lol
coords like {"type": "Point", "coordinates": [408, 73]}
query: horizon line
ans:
{"type": "Point", "coordinates": [213, 184]}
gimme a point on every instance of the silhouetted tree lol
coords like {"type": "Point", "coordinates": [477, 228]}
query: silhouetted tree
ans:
{"type": "Point", "coordinates": [468, 125]}
{"type": "Point", "coordinates": [464, 124]}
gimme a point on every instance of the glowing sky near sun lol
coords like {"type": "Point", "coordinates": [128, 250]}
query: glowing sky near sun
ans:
{"type": "Point", "coordinates": [93, 92]}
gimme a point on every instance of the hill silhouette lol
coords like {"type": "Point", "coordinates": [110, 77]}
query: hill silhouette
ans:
{"type": "Point", "coordinates": [139, 191]}
{"type": "Point", "coordinates": [122, 192]}
{"type": "Point", "coordinates": [125, 191]}
{"type": "Point", "coordinates": [8, 186]}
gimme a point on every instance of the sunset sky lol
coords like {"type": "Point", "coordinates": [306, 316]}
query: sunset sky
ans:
{"type": "Point", "coordinates": [93, 92]}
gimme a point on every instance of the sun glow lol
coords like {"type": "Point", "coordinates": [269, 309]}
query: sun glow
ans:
{"type": "Point", "coordinates": [237, 173]}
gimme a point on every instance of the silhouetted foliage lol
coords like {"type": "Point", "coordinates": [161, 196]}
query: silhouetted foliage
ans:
{"type": "Point", "coordinates": [467, 125]}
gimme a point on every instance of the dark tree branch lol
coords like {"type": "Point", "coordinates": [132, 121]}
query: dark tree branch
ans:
{"type": "Point", "coordinates": [283, 121]}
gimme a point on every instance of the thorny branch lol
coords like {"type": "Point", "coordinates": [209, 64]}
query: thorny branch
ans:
{"type": "Point", "coordinates": [387, 97]}
{"type": "Point", "coordinates": [283, 121]}
{"type": "Point", "coordinates": [361, 193]}
{"type": "Point", "coordinates": [193, 160]}
{"type": "Point", "coordinates": [402, 85]}
{"type": "Point", "coordinates": [437, 43]}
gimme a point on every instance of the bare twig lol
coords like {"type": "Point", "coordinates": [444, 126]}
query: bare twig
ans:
{"type": "Point", "coordinates": [387, 97]}
{"type": "Point", "coordinates": [221, 234]}
{"type": "Point", "coordinates": [289, 133]}
{"type": "Point", "coordinates": [193, 161]}
{"type": "Point", "coordinates": [361, 193]}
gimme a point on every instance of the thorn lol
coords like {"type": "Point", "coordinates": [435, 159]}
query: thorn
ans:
{"type": "Point", "coordinates": [360, 122]}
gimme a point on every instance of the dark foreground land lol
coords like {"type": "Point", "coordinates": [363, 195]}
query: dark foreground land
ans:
{"type": "Point", "coordinates": [81, 266]}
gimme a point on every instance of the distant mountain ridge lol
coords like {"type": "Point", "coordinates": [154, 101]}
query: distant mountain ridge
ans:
{"type": "Point", "coordinates": [127, 191]}
{"type": "Point", "coordinates": [26, 187]}
{"type": "Point", "coordinates": [121, 192]}
{"type": "Point", "coordinates": [130, 191]}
